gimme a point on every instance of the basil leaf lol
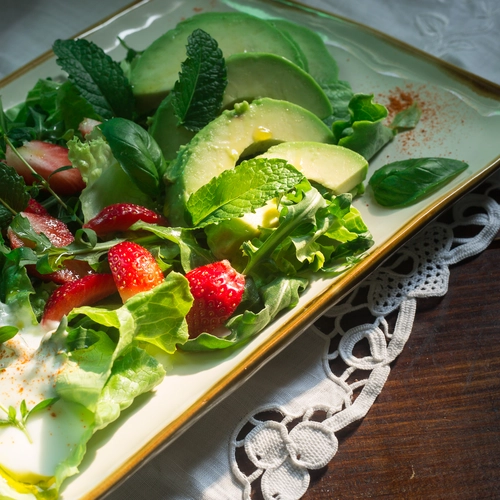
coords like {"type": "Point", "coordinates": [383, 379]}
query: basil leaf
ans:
{"type": "Point", "coordinates": [137, 152]}
{"type": "Point", "coordinates": [99, 79]}
{"type": "Point", "coordinates": [197, 95]}
{"type": "Point", "coordinates": [241, 189]}
{"type": "Point", "coordinates": [405, 182]}
{"type": "Point", "coordinates": [407, 119]}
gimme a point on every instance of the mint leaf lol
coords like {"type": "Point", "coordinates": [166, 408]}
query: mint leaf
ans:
{"type": "Point", "coordinates": [197, 95]}
{"type": "Point", "coordinates": [14, 196]}
{"type": "Point", "coordinates": [242, 189]}
{"type": "Point", "coordinates": [99, 79]}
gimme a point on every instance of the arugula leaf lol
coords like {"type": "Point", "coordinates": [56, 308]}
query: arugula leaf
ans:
{"type": "Point", "coordinates": [405, 182]}
{"type": "Point", "coordinates": [137, 152]}
{"type": "Point", "coordinates": [197, 95]}
{"type": "Point", "coordinates": [14, 195]}
{"type": "Point", "coordinates": [191, 254]}
{"type": "Point", "coordinates": [98, 78]}
{"type": "Point", "coordinates": [242, 189]}
{"type": "Point", "coordinates": [292, 217]}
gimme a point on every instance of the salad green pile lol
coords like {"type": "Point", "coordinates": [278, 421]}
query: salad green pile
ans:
{"type": "Point", "coordinates": [136, 153]}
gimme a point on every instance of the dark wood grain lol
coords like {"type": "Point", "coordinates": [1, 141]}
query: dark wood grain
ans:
{"type": "Point", "coordinates": [434, 432]}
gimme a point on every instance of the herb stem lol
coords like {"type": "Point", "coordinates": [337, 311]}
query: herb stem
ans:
{"type": "Point", "coordinates": [13, 420]}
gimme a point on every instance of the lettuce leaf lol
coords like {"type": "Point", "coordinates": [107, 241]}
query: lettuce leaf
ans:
{"type": "Point", "coordinates": [135, 373]}
{"type": "Point", "coordinates": [106, 181]}
{"type": "Point", "coordinates": [364, 132]}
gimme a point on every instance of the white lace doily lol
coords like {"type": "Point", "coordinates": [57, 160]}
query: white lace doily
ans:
{"type": "Point", "coordinates": [282, 458]}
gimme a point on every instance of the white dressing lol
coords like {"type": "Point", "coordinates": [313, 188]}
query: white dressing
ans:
{"type": "Point", "coordinates": [29, 365]}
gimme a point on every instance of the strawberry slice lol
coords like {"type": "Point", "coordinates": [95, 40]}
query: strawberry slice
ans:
{"type": "Point", "coordinates": [59, 235]}
{"type": "Point", "coordinates": [35, 208]}
{"type": "Point", "coordinates": [134, 269]}
{"type": "Point", "coordinates": [217, 289]}
{"type": "Point", "coordinates": [81, 292]}
{"type": "Point", "coordinates": [45, 158]}
{"type": "Point", "coordinates": [120, 216]}
{"type": "Point", "coordinates": [55, 230]}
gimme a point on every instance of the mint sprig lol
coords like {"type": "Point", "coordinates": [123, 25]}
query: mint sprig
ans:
{"type": "Point", "coordinates": [21, 420]}
{"type": "Point", "coordinates": [98, 78]}
{"type": "Point", "coordinates": [197, 95]}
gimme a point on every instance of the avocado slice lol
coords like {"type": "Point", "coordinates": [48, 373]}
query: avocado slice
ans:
{"type": "Point", "coordinates": [254, 75]}
{"type": "Point", "coordinates": [219, 145]}
{"type": "Point", "coordinates": [337, 168]}
{"type": "Point", "coordinates": [321, 65]}
{"type": "Point", "coordinates": [249, 76]}
{"type": "Point", "coordinates": [157, 69]}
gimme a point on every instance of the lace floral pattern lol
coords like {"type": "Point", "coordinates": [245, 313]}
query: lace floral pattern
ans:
{"type": "Point", "coordinates": [283, 446]}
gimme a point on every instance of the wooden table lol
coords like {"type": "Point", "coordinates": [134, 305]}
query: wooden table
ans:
{"type": "Point", "coordinates": [434, 432]}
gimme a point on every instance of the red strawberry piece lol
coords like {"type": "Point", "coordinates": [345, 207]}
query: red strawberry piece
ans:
{"type": "Point", "coordinates": [81, 292]}
{"type": "Point", "coordinates": [55, 230]}
{"type": "Point", "coordinates": [87, 125]}
{"type": "Point", "coordinates": [45, 158]}
{"type": "Point", "coordinates": [36, 208]}
{"type": "Point", "coordinates": [59, 235]}
{"type": "Point", "coordinates": [217, 289]}
{"type": "Point", "coordinates": [73, 269]}
{"type": "Point", "coordinates": [134, 269]}
{"type": "Point", "coordinates": [120, 216]}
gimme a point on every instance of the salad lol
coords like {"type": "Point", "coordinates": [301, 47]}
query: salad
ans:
{"type": "Point", "coordinates": [180, 199]}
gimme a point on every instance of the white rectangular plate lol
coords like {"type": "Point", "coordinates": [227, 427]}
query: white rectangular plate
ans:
{"type": "Point", "coordinates": [460, 119]}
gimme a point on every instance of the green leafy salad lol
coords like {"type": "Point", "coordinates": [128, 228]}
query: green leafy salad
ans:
{"type": "Point", "coordinates": [180, 199]}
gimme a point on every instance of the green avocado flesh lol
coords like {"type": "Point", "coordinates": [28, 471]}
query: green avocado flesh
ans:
{"type": "Point", "coordinates": [254, 75]}
{"type": "Point", "coordinates": [320, 63]}
{"type": "Point", "coordinates": [249, 76]}
{"type": "Point", "coordinates": [219, 145]}
{"type": "Point", "coordinates": [337, 168]}
{"type": "Point", "coordinates": [157, 70]}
